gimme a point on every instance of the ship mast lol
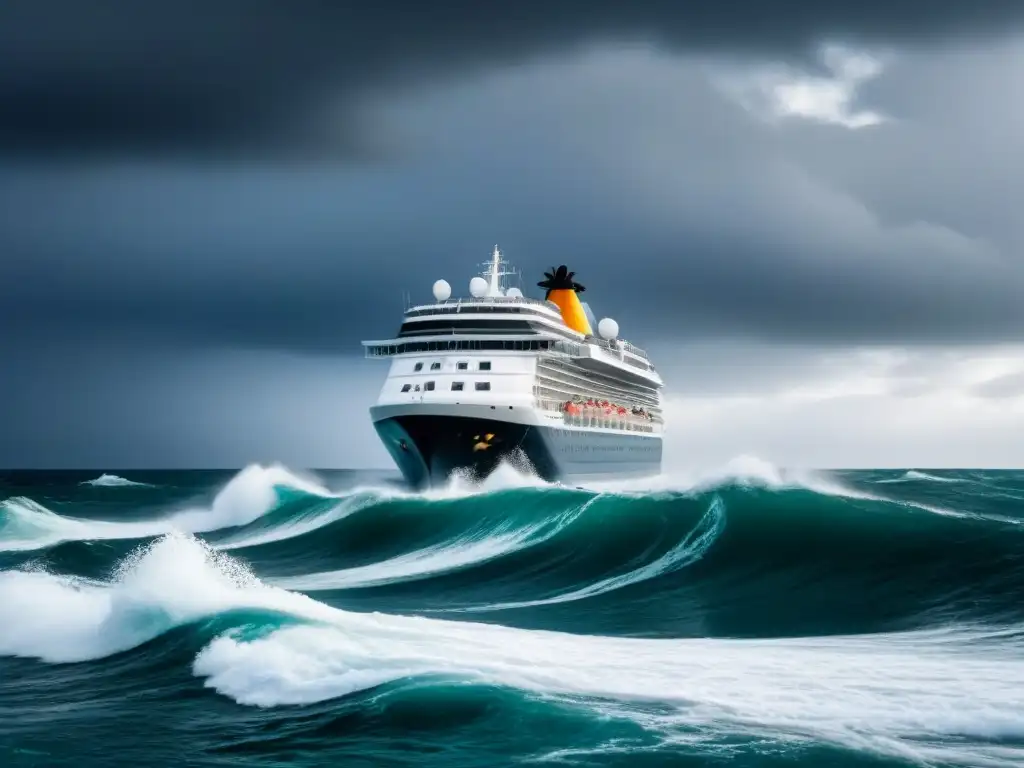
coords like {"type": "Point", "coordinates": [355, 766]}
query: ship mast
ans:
{"type": "Point", "coordinates": [494, 273]}
{"type": "Point", "coordinates": [495, 276]}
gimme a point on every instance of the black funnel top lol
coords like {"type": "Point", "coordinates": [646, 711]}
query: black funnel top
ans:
{"type": "Point", "coordinates": [560, 280]}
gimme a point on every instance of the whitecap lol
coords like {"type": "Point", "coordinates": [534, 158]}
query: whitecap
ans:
{"type": "Point", "coordinates": [114, 481]}
{"type": "Point", "coordinates": [25, 524]}
{"type": "Point", "coordinates": [932, 695]}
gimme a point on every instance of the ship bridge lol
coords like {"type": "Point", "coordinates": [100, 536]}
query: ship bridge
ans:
{"type": "Point", "coordinates": [499, 318]}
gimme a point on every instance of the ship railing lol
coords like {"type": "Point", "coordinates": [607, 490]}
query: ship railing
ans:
{"type": "Point", "coordinates": [487, 300]}
{"type": "Point", "coordinates": [442, 343]}
{"type": "Point", "coordinates": [635, 350]}
{"type": "Point", "coordinates": [627, 422]}
{"type": "Point", "coordinates": [615, 346]}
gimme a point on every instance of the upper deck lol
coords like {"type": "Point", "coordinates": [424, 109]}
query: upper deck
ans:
{"type": "Point", "coordinates": [496, 318]}
{"type": "Point", "coordinates": [487, 304]}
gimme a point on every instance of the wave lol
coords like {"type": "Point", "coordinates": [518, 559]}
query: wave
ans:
{"type": "Point", "coordinates": [552, 507]}
{"type": "Point", "coordinates": [701, 562]}
{"type": "Point", "coordinates": [694, 556]}
{"type": "Point", "coordinates": [914, 475]}
{"type": "Point", "coordinates": [689, 550]}
{"type": "Point", "coordinates": [28, 525]}
{"type": "Point", "coordinates": [303, 518]}
{"type": "Point", "coordinates": [252, 493]}
{"type": "Point", "coordinates": [744, 470]}
{"type": "Point", "coordinates": [114, 481]}
{"type": "Point", "coordinates": [264, 504]}
{"type": "Point", "coordinates": [477, 546]}
{"type": "Point", "coordinates": [933, 695]}
{"type": "Point", "coordinates": [301, 505]}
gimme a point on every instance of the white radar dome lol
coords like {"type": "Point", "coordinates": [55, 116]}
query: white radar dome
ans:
{"type": "Point", "coordinates": [515, 293]}
{"type": "Point", "coordinates": [442, 291]}
{"type": "Point", "coordinates": [478, 287]}
{"type": "Point", "coordinates": [608, 328]}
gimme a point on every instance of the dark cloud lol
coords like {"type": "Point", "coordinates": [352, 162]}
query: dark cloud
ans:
{"type": "Point", "coordinates": [686, 218]}
{"type": "Point", "coordinates": [226, 79]}
{"type": "Point", "coordinates": [745, 250]}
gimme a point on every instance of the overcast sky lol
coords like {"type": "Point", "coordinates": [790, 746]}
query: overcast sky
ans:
{"type": "Point", "coordinates": [808, 211]}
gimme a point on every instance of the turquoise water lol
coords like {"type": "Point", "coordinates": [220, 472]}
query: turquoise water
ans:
{"type": "Point", "coordinates": [270, 617]}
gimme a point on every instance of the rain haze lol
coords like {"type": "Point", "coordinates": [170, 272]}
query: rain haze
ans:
{"type": "Point", "coordinates": [808, 213]}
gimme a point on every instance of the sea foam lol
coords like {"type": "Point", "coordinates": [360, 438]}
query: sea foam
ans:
{"type": "Point", "coordinates": [933, 694]}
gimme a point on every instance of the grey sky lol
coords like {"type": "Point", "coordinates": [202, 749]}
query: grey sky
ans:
{"type": "Point", "coordinates": [201, 190]}
{"type": "Point", "coordinates": [231, 76]}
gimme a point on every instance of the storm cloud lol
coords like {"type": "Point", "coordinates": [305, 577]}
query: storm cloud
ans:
{"type": "Point", "coordinates": [227, 79]}
{"type": "Point", "coordinates": [187, 182]}
{"type": "Point", "coordinates": [688, 214]}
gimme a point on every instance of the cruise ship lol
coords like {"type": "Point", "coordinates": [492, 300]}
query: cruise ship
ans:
{"type": "Point", "coordinates": [497, 376]}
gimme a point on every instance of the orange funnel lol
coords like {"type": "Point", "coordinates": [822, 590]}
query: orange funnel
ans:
{"type": "Point", "coordinates": [563, 291]}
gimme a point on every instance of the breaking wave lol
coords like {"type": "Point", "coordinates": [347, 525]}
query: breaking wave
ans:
{"type": "Point", "coordinates": [741, 611]}
{"type": "Point", "coordinates": [255, 491]}
{"type": "Point", "coordinates": [114, 481]}
{"type": "Point", "coordinates": [950, 692]}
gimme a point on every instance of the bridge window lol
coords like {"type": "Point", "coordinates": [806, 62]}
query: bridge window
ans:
{"type": "Point", "coordinates": [435, 366]}
{"type": "Point", "coordinates": [483, 386]}
{"type": "Point", "coordinates": [485, 366]}
{"type": "Point", "coordinates": [429, 386]}
{"type": "Point", "coordinates": [406, 387]}
{"type": "Point", "coordinates": [456, 386]}
{"type": "Point", "coordinates": [462, 365]}
{"type": "Point", "coordinates": [418, 367]}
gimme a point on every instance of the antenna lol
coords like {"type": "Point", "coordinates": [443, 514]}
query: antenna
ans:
{"type": "Point", "coordinates": [517, 275]}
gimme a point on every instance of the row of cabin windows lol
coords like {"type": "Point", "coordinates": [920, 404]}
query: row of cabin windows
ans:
{"type": "Point", "coordinates": [457, 386]}
{"type": "Point", "coordinates": [462, 365]}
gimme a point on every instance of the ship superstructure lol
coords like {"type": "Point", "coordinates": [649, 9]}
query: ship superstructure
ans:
{"type": "Point", "coordinates": [497, 375]}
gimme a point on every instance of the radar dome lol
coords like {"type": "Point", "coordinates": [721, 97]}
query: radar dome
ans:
{"type": "Point", "coordinates": [514, 293]}
{"type": "Point", "coordinates": [442, 291]}
{"type": "Point", "coordinates": [608, 328]}
{"type": "Point", "coordinates": [478, 287]}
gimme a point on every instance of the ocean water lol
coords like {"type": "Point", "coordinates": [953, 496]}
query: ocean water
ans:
{"type": "Point", "coordinates": [749, 617]}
